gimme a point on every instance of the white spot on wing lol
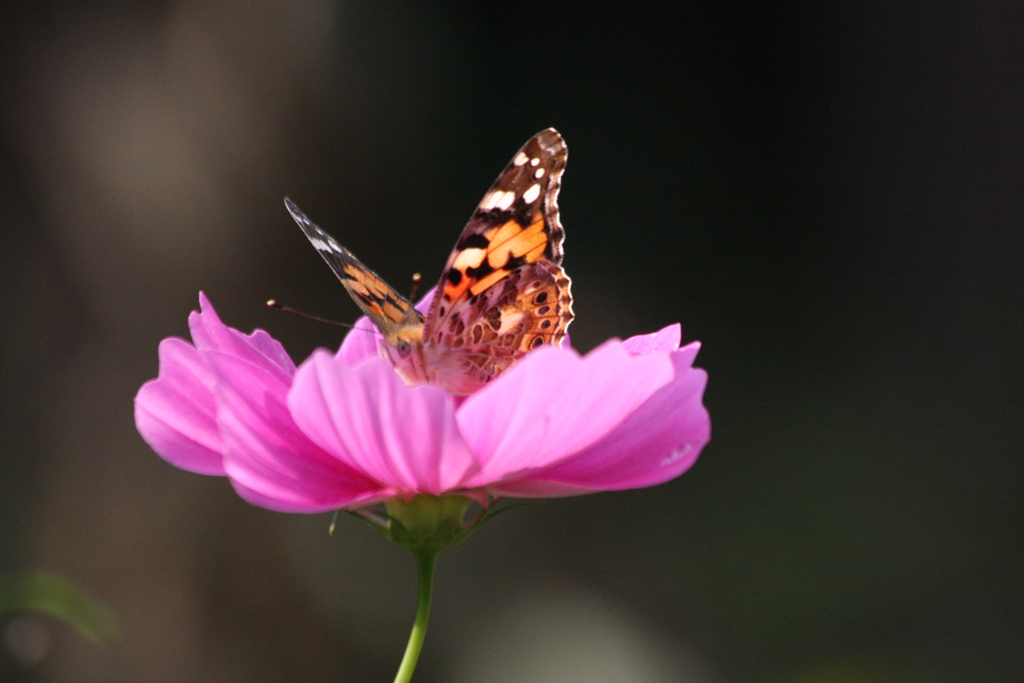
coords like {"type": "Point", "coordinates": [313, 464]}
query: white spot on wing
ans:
{"type": "Point", "coordinates": [323, 245]}
{"type": "Point", "coordinates": [490, 199]}
{"type": "Point", "coordinates": [519, 159]}
{"type": "Point", "coordinates": [534, 161]}
{"type": "Point", "coordinates": [539, 173]}
{"type": "Point", "coordinates": [497, 199]}
{"type": "Point", "coordinates": [508, 322]}
{"type": "Point", "coordinates": [530, 196]}
{"type": "Point", "coordinates": [469, 258]}
{"type": "Point", "coordinates": [506, 200]}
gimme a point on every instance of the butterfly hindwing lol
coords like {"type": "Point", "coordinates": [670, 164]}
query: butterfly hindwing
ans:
{"type": "Point", "coordinates": [525, 310]}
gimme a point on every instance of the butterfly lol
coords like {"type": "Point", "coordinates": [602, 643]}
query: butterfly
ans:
{"type": "Point", "coordinates": [502, 292]}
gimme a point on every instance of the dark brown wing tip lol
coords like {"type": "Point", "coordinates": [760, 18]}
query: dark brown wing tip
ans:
{"type": "Point", "coordinates": [549, 140]}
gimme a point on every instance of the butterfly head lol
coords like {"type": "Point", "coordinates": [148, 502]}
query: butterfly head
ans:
{"type": "Point", "coordinates": [405, 340]}
{"type": "Point", "coordinates": [403, 348]}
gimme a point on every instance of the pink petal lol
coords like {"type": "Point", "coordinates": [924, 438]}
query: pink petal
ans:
{"type": "Point", "coordinates": [361, 343]}
{"type": "Point", "coordinates": [553, 403]}
{"type": "Point", "coordinates": [258, 348]}
{"type": "Point", "coordinates": [176, 413]}
{"type": "Point", "coordinates": [658, 442]}
{"type": "Point", "coordinates": [405, 437]}
{"type": "Point", "coordinates": [268, 458]}
{"type": "Point", "coordinates": [423, 305]}
{"type": "Point", "coordinates": [664, 340]}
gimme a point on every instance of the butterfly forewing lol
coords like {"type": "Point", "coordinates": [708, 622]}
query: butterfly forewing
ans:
{"type": "Point", "coordinates": [389, 310]}
{"type": "Point", "coordinates": [514, 229]}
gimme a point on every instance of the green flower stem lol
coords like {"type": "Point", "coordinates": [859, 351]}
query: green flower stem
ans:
{"type": "Point", "coordinates": [426, 560]}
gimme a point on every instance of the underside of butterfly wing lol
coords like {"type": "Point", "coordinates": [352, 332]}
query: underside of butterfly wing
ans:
{"type": "Point", "coordinates": [528, 308]}
{"type": "Point", "coordinates": [392, 313]}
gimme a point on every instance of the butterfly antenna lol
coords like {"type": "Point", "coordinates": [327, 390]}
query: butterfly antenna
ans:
{"type": "Point", "coordinates": [417, 278]}
{"type": "Point", "coordinates": [272, 303]}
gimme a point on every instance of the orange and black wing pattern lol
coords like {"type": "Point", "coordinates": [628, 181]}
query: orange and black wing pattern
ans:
{"type": "Point", "coordinates": [390, 311]}
{"type": "Point", "coordinates": [503, 285]}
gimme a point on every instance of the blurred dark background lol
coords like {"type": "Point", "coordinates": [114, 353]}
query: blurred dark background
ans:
{"type": "Point", "coordinates": [830, 196]}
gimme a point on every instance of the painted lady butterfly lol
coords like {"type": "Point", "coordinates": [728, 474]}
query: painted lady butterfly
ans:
{"type": "Point", "coordinates": [502, 292]}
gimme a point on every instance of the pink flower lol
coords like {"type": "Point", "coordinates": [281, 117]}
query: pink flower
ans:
{"type": "Point", "coordinates": [344, 430]}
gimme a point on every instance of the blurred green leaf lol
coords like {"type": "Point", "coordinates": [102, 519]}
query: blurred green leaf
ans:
{"type": "Point", "coordinates": [49, 593]}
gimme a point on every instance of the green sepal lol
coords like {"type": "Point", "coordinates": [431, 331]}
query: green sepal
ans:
{"type": "Point", "coordinates": [427, 523]}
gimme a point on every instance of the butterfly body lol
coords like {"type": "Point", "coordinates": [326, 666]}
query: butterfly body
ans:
{"type": "Point", "coordinates": [502, 292]}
